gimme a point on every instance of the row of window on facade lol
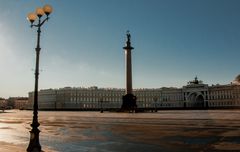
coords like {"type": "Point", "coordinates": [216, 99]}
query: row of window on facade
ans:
{"type": "Point", "coordinates": [85, 105]}
{"type": "Point", "coordinates": [163, 98]}
{"type": "Point", "coordinates": [225, 103]}
{"type": "Point", "coordinates": [113, 94]}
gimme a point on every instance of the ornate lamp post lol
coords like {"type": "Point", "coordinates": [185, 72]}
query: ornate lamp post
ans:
{"type": "Point", "coordinates": [34, 145]}
{"type": "Point", "coordinates": [155, 103]}
{"type": "Point", "coordinates": [101, 106]}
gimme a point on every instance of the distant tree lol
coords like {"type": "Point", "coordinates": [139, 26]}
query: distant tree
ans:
{"type": "Point", "coordinates": [2, 104]}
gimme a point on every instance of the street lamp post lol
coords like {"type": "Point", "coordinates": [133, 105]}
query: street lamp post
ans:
{"type": "Point", "coordinates": [155, 103]}
{"type": "Point", "coordinates": [34, 145]}
{"type": "Point", "coordinates": [101, 102]}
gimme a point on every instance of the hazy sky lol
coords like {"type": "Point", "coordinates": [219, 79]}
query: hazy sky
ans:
{"type": "Point", "coordinates": [174, 41]}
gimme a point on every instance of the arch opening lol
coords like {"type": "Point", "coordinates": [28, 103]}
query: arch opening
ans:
{"type": "Point", "coordinates": [197, 100]}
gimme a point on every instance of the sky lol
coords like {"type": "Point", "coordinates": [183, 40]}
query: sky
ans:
{"type": "Point", "coordinates": [82, 43]}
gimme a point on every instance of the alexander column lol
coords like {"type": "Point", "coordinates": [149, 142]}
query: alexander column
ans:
{"type": "Point", "coordinates": [129, 100]}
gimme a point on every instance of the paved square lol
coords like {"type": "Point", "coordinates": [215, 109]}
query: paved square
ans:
{"type": "Point", "coordinates": [176, 130]}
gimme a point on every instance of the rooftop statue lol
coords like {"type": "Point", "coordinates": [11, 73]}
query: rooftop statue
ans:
{"type": "Point", "coordinates": [195, 81]}
{"type": "Point", "coordinates": [128, 36]}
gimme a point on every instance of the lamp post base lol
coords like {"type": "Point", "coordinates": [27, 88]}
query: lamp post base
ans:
{"type": "Point", "coordinates": [129, 103]}
{"type": "Point", "coordinates": [34, 145]}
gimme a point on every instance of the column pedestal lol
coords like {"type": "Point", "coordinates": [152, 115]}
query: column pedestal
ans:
{"type": "Point", "coordinates": [129, 102]}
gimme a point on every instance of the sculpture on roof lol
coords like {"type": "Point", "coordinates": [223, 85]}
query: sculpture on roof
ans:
{"type": "Point", "coordinates": [195, 81]}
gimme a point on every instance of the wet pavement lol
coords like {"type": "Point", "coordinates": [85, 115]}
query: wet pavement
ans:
{"type": "Point", "coordinates": [168, 131]}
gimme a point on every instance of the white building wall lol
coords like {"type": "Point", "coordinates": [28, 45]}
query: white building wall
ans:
{"type": "Point", "coordinates": [91, 98]}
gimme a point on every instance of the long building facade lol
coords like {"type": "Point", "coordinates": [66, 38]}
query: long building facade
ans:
{"type": "Point", "coordinates": [194, 95]}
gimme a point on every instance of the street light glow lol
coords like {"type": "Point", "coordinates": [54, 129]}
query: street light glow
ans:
{"type": "Point", "coordinates": [31, 17]}
{"type": "Point", "coordinates": [47, 9]}
{"type": "Point", "coordinates": [39, 12]}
